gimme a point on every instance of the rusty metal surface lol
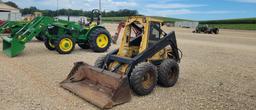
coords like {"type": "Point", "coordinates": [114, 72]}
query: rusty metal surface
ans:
{"type": "Point", "coordinates": [101, 88]}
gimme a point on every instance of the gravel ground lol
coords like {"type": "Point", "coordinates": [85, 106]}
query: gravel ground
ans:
{"type": "Point", "coordinates": [217, 72]}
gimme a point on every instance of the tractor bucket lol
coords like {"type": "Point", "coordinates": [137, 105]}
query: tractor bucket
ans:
{"type": "Point", "coordinates": [12, 47]}
{"type": "Point", "coordinates": [102, 88]}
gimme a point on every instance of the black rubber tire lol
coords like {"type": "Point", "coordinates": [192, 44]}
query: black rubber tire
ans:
{"type": "Point", "coordinates": [92, 40]}
{"type": "Point", "coordinates": [137, 77]}
{"type": "Point", "coordinates": [59, 50]}
{"type": "Point", "coordinates": [84, 45]}
{"type": "Point", "coordinates": [216, 31]}
{"type": "Point", "coordinates": [48, 44]}
{"type": "Point", "coordinates": [99, 63]}
{"type": "Point", "coordinates": [168, 73]}
{"type": "Point", "coordinates": [40, 37]}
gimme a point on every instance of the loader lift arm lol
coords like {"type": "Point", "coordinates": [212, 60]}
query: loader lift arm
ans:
{"type": "Point", "coordinates": [15, 43]}
{"type": "Point", "coordinates": [11, 26]}
{"type": "Point", "coordinates": [169, 39]}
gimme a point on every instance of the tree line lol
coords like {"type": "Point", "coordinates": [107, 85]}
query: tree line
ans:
{"type": "Point", "coordinates": [71, 12]}
{"type": "Point", "coordinates": [231, 21]}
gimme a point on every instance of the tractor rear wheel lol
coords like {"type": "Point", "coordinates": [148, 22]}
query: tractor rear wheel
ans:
{"type": "Point", "coordinates": [143, 78]}
{"type": "Point", "coordinates": [65, 45]}
{"type": "Point", "coordinates": [100, 40]}
{"type": "Point", "coordinates": [168, 73]}
{"type": "Point", "coordinates": [84, 45]}
{"type": "Point", "coordinates": [49, 44]}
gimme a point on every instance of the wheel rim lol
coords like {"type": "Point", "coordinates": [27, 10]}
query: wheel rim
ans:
{"type": "Point", "coordinates": [50, 44]}
{"type": "Point", "coordinates": [102, 40]}
{"type": "Point", "coordinates": [66, 44]}
{"type": "Point", "coordinates": [148, 80]}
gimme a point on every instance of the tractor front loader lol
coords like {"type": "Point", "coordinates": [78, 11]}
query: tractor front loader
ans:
{"type": "Point", "coordinates": [11, 27]}
{"type": "Point", "coordinates": [15, 43]}
{"type": "Point", "coordinates": [146, 56]}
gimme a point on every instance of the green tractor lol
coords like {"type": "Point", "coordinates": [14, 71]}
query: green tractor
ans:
{"type": "Point", "coordinates": [60, 35]}
{"type": "Point", "coordinates": [63, 37]}
{"type": "Point", "coordinates": [206, 29]}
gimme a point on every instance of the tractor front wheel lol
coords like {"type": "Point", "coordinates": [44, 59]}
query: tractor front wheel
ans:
{"type": "Point", "coordinates": [143, 78]}
{"type": "Point", "coordinates": [100, 40]}
{"type": "Point", "coordinates": [49, 44]}
{"type": "Point", "coordinates": [65, 45]}
{"type": "Point", "coordinates": [40, 37]}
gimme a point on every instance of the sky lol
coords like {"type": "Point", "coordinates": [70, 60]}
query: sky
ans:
{"type": "Point", "coordinates": [186, 9]}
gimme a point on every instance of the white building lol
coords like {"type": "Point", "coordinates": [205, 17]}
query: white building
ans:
{"type": "Point", "coordinates": [186, 24]}
{"type": "Point", "coordinates": [9, 13]}
{"type": "Point", "coordinates": [73, 18]}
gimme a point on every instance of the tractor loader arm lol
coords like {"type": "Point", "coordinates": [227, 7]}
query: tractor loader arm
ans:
{"type": "Point", "coordinates": [15, 43]}
{"type": "Point", "coordinates": [169, 39]}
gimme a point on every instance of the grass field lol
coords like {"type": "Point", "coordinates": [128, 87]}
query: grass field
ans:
{"type": "Point", "coordinates": [231, 21]}
{"type": "Point", "coordinates": [235, 26]}
{"type": "Point", "coordinates": [241, 23]}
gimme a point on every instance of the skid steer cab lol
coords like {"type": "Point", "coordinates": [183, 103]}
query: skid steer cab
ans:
{"type": "Point", "coordinates": [146, 57]}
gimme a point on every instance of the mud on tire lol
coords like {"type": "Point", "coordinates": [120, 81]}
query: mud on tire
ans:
{"type": "Point", "coordinates": [143, 78]}
{"type": "Point", "coordinates": [93, 40]}
{"type": "Point", "coordinates": [168, 73]}
{"type": "Point", "coordinates": [49, 44]}
{"type": "Point", "coordinates": [99, 63]}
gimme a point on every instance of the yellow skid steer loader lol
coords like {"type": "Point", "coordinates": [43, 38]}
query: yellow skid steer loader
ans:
{"type": "Point", "coordinates": [147, 56]}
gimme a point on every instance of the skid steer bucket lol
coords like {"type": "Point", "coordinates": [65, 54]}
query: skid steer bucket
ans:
{"type": "Point", "coordinates": [12, 47]}
{"type": "Point", "coordinates": [102, 88]}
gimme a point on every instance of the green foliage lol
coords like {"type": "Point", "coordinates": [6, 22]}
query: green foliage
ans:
{"type": "Point", "coordinates": [242, 23]}
{"type": "Point", "coordinates": [12, 4]}
{"type": "Point", "coordinates": [231, 21]}
{"type": "Point", "coordinates": [120, 13]}
{"type": "Point", "coordinates": [30, 10]}
{"type": "Point", "coordinates": [235, 26]}
{"type": "Point", "coordinates": [71, 12]}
